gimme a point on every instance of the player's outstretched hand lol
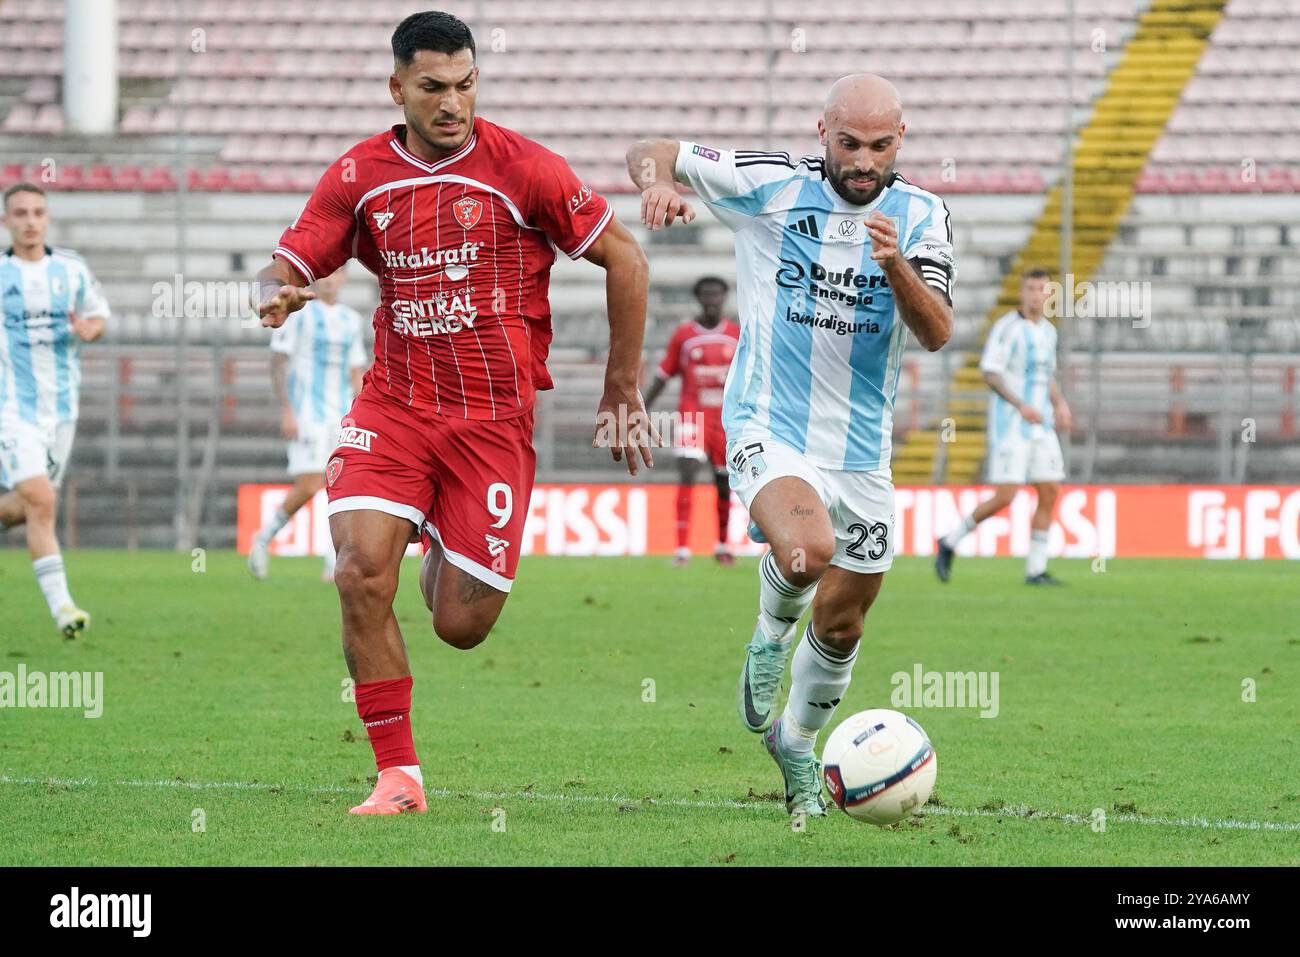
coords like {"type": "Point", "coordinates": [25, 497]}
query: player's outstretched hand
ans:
{"type": "Point", "coordinates": [285, 301]}
{"type": "Point", "coordinates": [661, 204]}
{"type": "Point", "coordinates": [624, 427]}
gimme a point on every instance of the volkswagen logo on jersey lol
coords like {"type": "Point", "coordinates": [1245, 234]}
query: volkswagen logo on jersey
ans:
{"type": "Point", "coordinates": [468, 211]}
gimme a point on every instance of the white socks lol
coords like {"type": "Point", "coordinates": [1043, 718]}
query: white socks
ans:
{"type": "Point", "coordinates": [961, 531]}
{"type": "Point", "coordinates": [819, 676]}
{"type": "Point", "coordinates": [278, 521]}
{"type": "Point", "coordinates": [1036, 562]}
{"type": "Point", "coordinates": [53, 581]}
{"type": "Point", "coordinates": [414, 771]}
{"type": "Point", "coordinates": [780, 604]}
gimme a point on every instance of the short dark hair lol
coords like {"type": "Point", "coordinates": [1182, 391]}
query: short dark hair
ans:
{"type": "Point", "coordinates": [1035, 272]}
{"type": "Point", "coordinates": [21, 188]}
{"type": "Point", "coordinates": [430, 30]}
{"type": "Point", "coordinates": [704, 281]}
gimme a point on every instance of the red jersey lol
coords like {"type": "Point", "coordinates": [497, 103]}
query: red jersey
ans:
{"type": "Point", "coordinates": [463, 250]}
{"type": "Point", "coordinates": [701, 357]}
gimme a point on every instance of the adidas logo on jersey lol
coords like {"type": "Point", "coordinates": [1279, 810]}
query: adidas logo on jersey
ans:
{"type": "Point", "coordinates": [806, 227]}
{"type": "Point", "coordinates": [496, 546]}
{"type": "Point", "coordinates": [382, 220]}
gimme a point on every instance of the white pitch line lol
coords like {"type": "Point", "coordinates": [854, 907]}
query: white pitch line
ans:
{"type": "Point", "coordinates": [1025, 813]}
{"type": "Point", "coordinates": [1020, 812]}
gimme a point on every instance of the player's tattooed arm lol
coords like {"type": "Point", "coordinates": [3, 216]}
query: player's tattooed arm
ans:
{"type": "Point", "coordinates": [924, 309]}
{"type": "Point", "coordinates": [652, 166]}
{"type": "Point", "coordinates": [280, 290]}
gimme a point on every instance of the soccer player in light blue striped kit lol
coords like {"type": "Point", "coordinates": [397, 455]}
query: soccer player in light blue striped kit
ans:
{"type": "Point", "coordinates": [316, 368]}
{"type": "Point", "coordinates": [837, 258]}
{"type": "Point", "coordinates": [51, 304]}
{"type": "Point", "coordinates": [1025, 409]}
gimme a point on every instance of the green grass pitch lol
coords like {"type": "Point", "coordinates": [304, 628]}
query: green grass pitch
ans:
{"type": "Point", "coordinates": [224, 707]}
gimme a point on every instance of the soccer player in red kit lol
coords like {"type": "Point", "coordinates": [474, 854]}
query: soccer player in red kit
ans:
{"type": "Point", "coordinates": [460, 220]}
{"type": "Point", "coordinates": [700, 352]}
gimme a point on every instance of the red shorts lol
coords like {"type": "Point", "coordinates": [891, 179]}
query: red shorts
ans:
{"type": "Point", "coordinates": [465, 482]}
{"type": "Point", "coordinates": [702, 437]}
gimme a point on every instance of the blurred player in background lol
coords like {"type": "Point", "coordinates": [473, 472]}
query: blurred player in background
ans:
{"type": "Point", "coordinates": [700, 352]}
{"type": "Point", "coordinates": [319, 355]}
{"type": "Point", "coordinates": [460, 219]}
{"type": "Point", "coordinates": [837, 257]}
{"type": "Point", "coordinates": [51, 304]}
{"type": "Point", "coordinates": [1025, 408]}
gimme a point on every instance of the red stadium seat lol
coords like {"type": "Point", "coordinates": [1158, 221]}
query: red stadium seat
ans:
{"type": "Point", "coordinates": [68, 176]}
{"type": "Point", "coordinates": [244, 181]}
{"type": "Point", "coordinates": [1276, 179]}
{"type": "Point", "coordinates": [159, 179]}
{"type": "Point", "coordinates": [99, 178]}
{"type": "Point", "coordinates": [1151, 180]}
{"type": "Point", "coordinates": [128, 178]}
{"type": "Point", "coordinates": [1183, 181]}
{"type": "Point", "coordinates": [1213, 180]}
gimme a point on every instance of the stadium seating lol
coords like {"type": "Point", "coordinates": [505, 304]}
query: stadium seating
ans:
{"type": "Point", "coordinates": [587, 78]}
{"type": "Point", "coordinates": [986, 102]}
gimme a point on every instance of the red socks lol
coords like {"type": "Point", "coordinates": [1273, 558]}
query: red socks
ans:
{"type": "Point", "coordinates": [385, 710]}
{"type": "Point", "coordinates": [683, 515]}
{"type": "Point", "coordinates": [724, 514]}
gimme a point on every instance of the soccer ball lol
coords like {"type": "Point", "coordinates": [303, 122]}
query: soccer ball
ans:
{"type": "Point", "coordinates": [879, 766]}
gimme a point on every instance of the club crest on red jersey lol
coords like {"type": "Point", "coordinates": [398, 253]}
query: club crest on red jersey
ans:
{"type": "Point", "coordinates": [332, 470]}
{"type": "Point", "coordinates": [468, 211]}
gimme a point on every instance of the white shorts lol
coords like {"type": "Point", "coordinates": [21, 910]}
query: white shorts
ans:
{"type": "Point", "coordinates": [27, 451]}
{"type": "Point", "coordinates": [861, 504]}
{"type": "Point", "coordinates": [309, 452]}
{"type": "Point", "coordinates": [1017, 460]}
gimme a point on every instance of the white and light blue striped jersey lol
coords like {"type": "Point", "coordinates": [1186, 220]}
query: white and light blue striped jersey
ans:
{"type": "Point", "coordinates": [818, 362]}
{"type": "Point", "coordinates": [1023, 352]}
{"type": "Point", "coordinates": [324, 344]}
{"type": "Point", "coordinates": [40, 366]}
